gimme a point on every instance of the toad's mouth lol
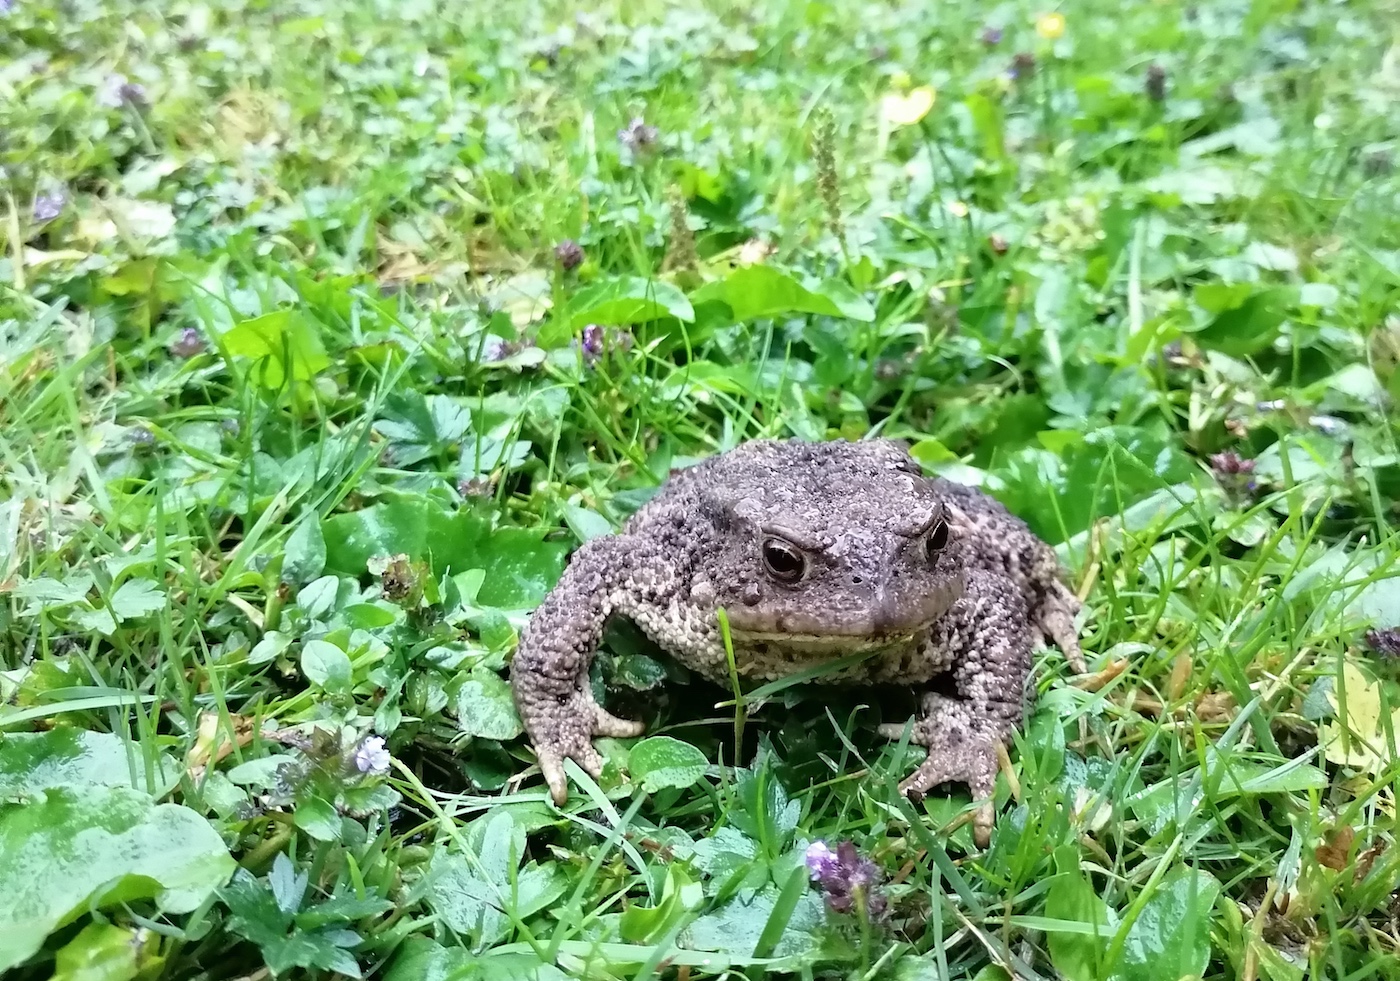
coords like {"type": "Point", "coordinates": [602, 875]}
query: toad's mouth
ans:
{"type": "Point", "coordinates": [877, 620]}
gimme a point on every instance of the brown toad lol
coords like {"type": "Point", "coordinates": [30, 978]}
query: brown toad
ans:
{"type": "Point", "coordinates": [816, 551]}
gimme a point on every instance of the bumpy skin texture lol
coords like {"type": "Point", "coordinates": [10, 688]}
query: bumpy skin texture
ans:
{"type": "Point", "coordinates": [816, 551]}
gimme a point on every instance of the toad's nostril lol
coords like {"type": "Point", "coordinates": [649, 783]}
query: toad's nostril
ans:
{"type": "Point", "coordinates": [857, 580]}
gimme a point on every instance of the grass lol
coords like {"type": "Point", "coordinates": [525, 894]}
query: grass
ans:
{"type": "Point", "coordinates": [301, 413]}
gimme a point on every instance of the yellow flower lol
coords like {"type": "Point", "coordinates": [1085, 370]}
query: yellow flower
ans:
{"type": "Point", "coordinates": [1051, 26]}
{"type": "Point", "coordinates": [906, 110]}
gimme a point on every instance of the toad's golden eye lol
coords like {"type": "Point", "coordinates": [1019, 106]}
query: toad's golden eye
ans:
{"type": "Point", "coordinates": [936, 541]}
{"type": "Point", "coordinates": [783, 560]}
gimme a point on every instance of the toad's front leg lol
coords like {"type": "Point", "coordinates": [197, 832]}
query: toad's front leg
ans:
{"type": "Point", "coordinates": [549, 675]}
{"type": "Point", "coordinates": [987, 638]}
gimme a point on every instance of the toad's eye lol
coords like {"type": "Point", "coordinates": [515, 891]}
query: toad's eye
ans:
{"type": "Point", "coordinates": [936, 541]}
{"type": "Point", "coordinates": [783, 561]}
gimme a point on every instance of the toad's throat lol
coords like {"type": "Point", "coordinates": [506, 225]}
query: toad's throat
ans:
{"type": "Point", "coordinates": [882, 620]}
{"type": "Point", "coordinates": [850, 641]}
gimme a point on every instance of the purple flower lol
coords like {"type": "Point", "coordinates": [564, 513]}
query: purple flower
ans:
{"type": "Point", "coordinates": [1386, 642]}
{"type": "Point", "coordinates": [6, 6]}
{"type": "Point", "coordinates": [848, 882]}
{"type": "Point", "coordinates": [371, 757]}
{"type": "Point", "coordinates": [991, 36]}
{"type": "Point", "coordinates": [594, 338]}
{"type": "Point", "coordinates": [48, 206]}
{"type": "Point", "coordinates": [821, 860]}
{"type": "Point", "coordinates": [638, 136]}
{"type": "Point", "coordinates": [474, 487]}
{"type": "Point", "coordinates": [1233, 472]}
{"type": "Point", "coordinates": [141, 436]}
{"type": "Point", "coordinates": [569, 254]}
{"type": "Point", "coordinates": [188, 344]}
{"type": "Point", "coordinates": [1230, 464]}
{"type": "Point", "coordinates": [118, 90]}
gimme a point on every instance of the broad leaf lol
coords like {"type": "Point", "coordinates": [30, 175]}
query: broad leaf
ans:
{"type": "Point", "coordinates": [660, 762]}
{"type": "Point", "coordinates": [628, 300]}
{"type": "Point", "coordinates": [520, 567]}
{"type": "Point", "coordinates": [98, 847]}
{"type": "Point", "coordinates": [759, 291]}
{"type": "Point", "coordinates": [485, 708]}
{"type": "Point", "coordinates": [32, 762]}
{"type": "Point", "coordinates": [278, 343]}
{"type": "Point", "coordinates": [1171, 936]}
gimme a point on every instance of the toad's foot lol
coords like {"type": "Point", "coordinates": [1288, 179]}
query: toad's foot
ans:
{"type": "Point", "coordinates": [961, 749]}
{"type": "Point", "coordinates": [1055, 622]}
{"type": "Point", "coordinates": [565, 730]}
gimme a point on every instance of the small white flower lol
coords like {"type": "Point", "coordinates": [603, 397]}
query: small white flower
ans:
{"type": "Point", "coordinates": [371, 756]}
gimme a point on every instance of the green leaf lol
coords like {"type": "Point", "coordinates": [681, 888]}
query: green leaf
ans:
{"type": "Point", "coordinates": [273, 643]}
{"type": "Point", "coordinates": [660, 762]}
{"type": "Point", "coordinates": [485, 707]}
{"type": "Point", "coordinates": [369, 616]}
{"type": "Point", "coordinates": [1247, 777]}
{"type": "Point", "coordinates": [469, 895]}
{"type": "Point", "coordinates": [520, 567]}
{"type": "Point", "coordinates": [288, 887]}
{"type": "Point", "coordinates": [304, 557]}
{"type": "Point", "coordinates": [317, 598]}
{"type": "Point", "coordinates": [96, 848]}
{"type": "Point", "coordinates": [326, 665]}
{"type": "Point", "coordinates": [760, 291]}
{"type": "Point", "coordinates": [628, 300]}
{"type": "Point", "coordinates": [105, 952]}
{"type": "Point", "coordinates": [680, 896]}
{"type": "Point", "coordinates": [638, 672]}
{"type": "Point", "coordinates": [32, 762]}
{"type": "Point", "coordinates": [737, 927]}
{"type": "Point", "coordinates": [1171, 936]}
{"type": "Point", "coordinates": [318, 818]}
{"type": "Point", "coordinates": [586, 523]}
{"type": "Point", "coordinates": [276, 340]}
{"type": "Point", "coordinates": [450, 419]}
{"type": "Point", "coordinates": [136, 598]}
{"type": "Point", "coordinates": [1246, 321]}
{"type": "Point", "coordinates": [421, 959]}
{"type": "Point", "coordinates": [1071, 897]}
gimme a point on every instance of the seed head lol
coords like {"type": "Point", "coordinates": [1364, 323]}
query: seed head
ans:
{"type": "Point", "coordinates": [824, 152]}
{"type": "Point", "coordinates": [1385, 642]}
{"type": "Point", "coordinates": [680, 253]}
{"type": "Point", "coordinates": [638, 136]}
{"type": "Point", "coordinates": [569, 254]}
{"type": "Point", "coordinates": [118, 90]}
{"type": "Point", "coordinates": [400, 580]}
{"type": "Point", "coordinates": [1156, 83]}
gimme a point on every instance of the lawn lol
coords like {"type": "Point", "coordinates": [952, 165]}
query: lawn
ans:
{"type": "Point", "coordinates": [328, 330]}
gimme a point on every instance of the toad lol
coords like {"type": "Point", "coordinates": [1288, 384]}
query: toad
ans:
{"type": "Point", "coordinates": [817, 552]}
